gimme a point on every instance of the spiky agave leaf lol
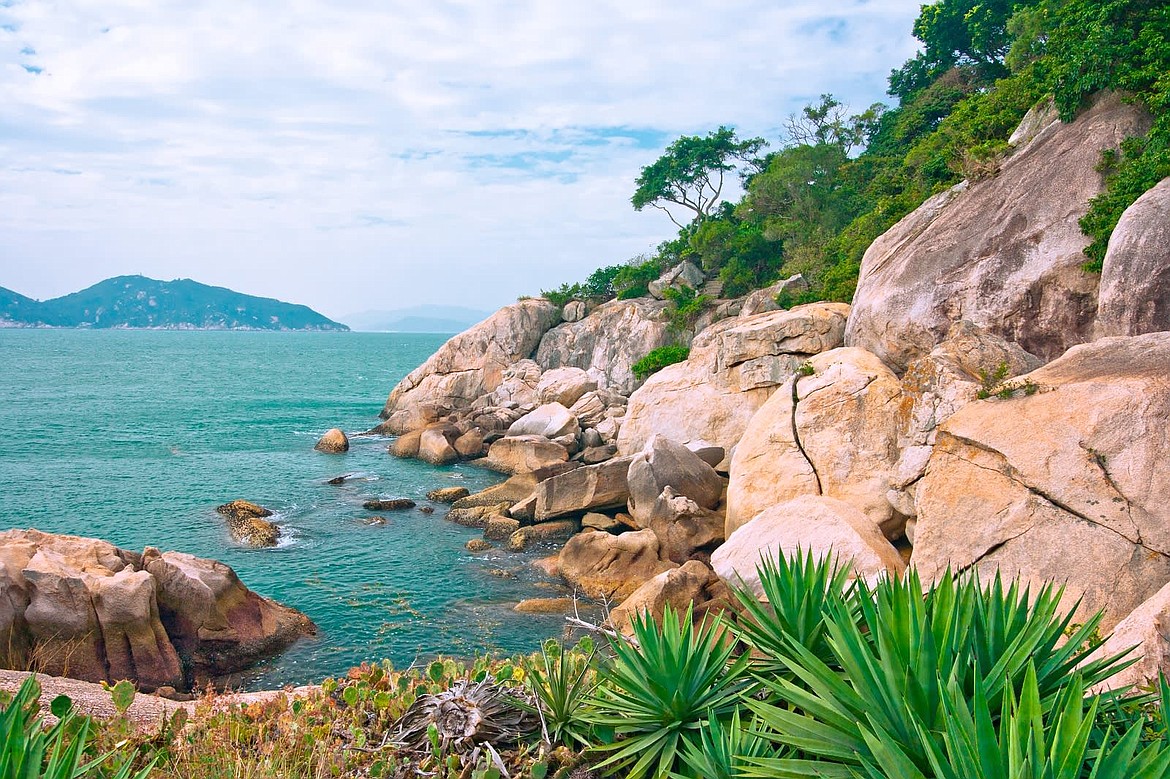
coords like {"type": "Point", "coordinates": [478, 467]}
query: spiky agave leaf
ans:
{"type": "Point", "coordinates": [561, 684]}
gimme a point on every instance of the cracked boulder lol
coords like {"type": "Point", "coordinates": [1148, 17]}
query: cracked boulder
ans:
{"type": "Point", "coordinates": [832, 430]}
{"type": "Point", "coordinates": [1064, 481]}
{"type": "Point", "coordinates": [734, 367]}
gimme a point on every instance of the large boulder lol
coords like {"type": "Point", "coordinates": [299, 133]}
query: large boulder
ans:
{"type": "Point", "coordinates": [589, 488]}
{"type": "Point", "coordinates": [564, 386]}
{"type": "Point", "coordinates": [1005, 252]}
{"type": "Point", "coordinates": [1135, 280]}
{"type": "Point", "coordinates": [248, 525]}
{"type": "Point", "coordinates": [1064, 481]}
{"type": "Point", "coordinates": [468, 366]}
{"type": "Point", "coordinates": [518, 454]}
{"type": "Point", "coordinates": [833, 431]}
{"type": "Point", "coordinates": [665, 463]}
{"type": "Point", "coordinates": [810, 523]}
{"type": "Point", "coordinates": [765, 299]}
{"type": "Point", "coordinates": [685, 274]}
{"type": "Point", "coordinates": [683, 526]}
{"type": "Point", "coordinates": [84, 608]}
{"type": "Point", "coordinates": [733, 368]}
{"type": "Point", "coordinates": [552, 420]}
{"type": "Point", "coordinates": [1146, 631]}
{"type": "Point", "coordinates": [602, 565]}
{"type": "Point", "coordinates": [608, 342]}
{"type": "Point", "coordinates": [434, 446]}
{"type": "Point", "coordinates": [690, 585]}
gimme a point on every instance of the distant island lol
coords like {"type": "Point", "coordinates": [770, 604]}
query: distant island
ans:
{"type": "Point", "coordinates": [141, 302]}
{"type": "Point", "coordinates": [417, 319]}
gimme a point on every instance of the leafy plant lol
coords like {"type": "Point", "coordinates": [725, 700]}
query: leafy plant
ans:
{"type": "Point", "coordinates": [662, 690]}
{"type": "Point", "coordinates": [686, 306]}
{"type": "Point", "coordinates": [724, 749]}
{"type": "Point", "coordinates": [658, 359]}
{"type": "Point", "coordinates": [561, 682]}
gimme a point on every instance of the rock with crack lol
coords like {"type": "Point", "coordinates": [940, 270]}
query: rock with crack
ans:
{"type": "Point", "coordinates": [1145, 631]}
{"type": "Point", "coordinates": [1066, 484]}
{"type": "Point", "coordinates": [734, 367]}
{"type": "Point", "coordinates": [833, 431]}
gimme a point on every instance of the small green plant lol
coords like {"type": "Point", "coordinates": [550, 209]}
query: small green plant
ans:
{"type": "Point", "coordinates": [989, 382]}
{"type": "Point", "coordinates": [687, 305]}
{"type": "Point", "coordinates": [658, 359]}
{"type": "Point", "coordinates": [561, 682]}
{"type": "Point", "coordinates": [805, 369]}
{"type": "Point", "coordinates": [662, 690]}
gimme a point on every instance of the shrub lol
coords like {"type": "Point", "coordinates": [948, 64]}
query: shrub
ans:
{"type": "Point", "coordinates": [658, 359]}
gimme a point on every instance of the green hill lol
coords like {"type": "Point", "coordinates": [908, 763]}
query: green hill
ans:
{"type": "Point", "coordinates": [139, 302]}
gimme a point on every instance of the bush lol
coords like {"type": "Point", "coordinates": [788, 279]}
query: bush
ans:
{"type": "Point", "coordinates": [658, 359]}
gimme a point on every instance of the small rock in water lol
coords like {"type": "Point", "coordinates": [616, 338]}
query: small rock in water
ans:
{"type": "Point", "coordinates": [389, 504]}
{"type": "Point", "coordinates": [333, 442]}
{"type": "Point", "coordinates": [375, 520]}
{"type": "Point", "coordinates": [478, 545]}
{"type": "Point", "coordinates": [243, 509]}
{"type": "Point", "coordinates": [339, 479]}
{"type": "Point", "coordinates": [544, 605]}
{"type": "Point", "coordinates": [244, 520]}
{"type": "Point", "coordinates": [448, 494]}
{"type": "Point", "coordinates": [427, 509]}
{"type": "Point", "coordinates": [501, 573]}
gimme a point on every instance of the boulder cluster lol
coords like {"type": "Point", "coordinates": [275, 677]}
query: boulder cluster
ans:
{"type": "Point", "coordinates": [986, 404]}
{"type": "Point", "coordinates": [84, 608]}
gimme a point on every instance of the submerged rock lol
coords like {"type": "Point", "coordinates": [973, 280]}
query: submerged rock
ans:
{"type": "Point", "coordinates": [388, 504]}
{"type": "Point", "coordinates": [245, 521]}
{"type": "Point", "coordinates": [333, 442]}
{"type": "Point", "coordinates": [448, 494]}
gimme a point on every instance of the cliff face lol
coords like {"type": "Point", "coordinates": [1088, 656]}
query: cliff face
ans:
{"type": "Point", "coordinates": [959, 413]}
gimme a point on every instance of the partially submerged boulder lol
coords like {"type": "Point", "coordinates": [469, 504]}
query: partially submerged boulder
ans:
{"type": "Point", "coordinates": [1005, 253]}
{"type": "Point", "coordinates": [87, 609]}
{"type": "Point", "coordinates": [811, 523]}
{"type": "Point", "coordinates": [333, 442]}
{"type": "Point", "coordinates": [1063, 481]}
{"type": "Point", "coordinates": [246, 523]}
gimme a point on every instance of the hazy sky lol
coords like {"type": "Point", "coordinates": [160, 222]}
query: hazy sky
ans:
{"type": "Point", "coordinates": [361, 155]}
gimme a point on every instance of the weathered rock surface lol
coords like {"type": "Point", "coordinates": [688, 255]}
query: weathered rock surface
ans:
{"type": "Point", "coordinates": [733, 368]}
{"type": "Point", "coordinates": [1068, 484]}
{"type": "Point", "coordinates": [87, 609]}
{"type": "Point", "coordinates": [524, 538]}
{"type": "Point", "coordinates": [813, 523]}
{"type": "Point", "coordinates": [608, 342]}
{"type": "Point", "coordinates": [602, 565]}
{"type": "Point", "coordinates": [388, 504]}
{"type": "Point", "coordinates": [515, 489]}
{"type": "Point", "coordinates": [544, 605]}
{"type": "Point", "coordinates": [1135, 279]}
{"type": "Point", "coordinates": [1147, 631]}
{"type": "Point", "coordinates": [551, 420]}
{"type": "Point", "coordinates": [688, 585]}
{"type": "Point", "coordinates": [683, 526]}
{"type": "Point", "coordinates": [685, 274]}
{"type": "Point", "coordinates": [246, 523]}
{"type": "Point", "coordinates": [470, 444]}
{"type": "Point", "coordinates": [468, 366]}
{"type": "Point", "coordinates": [765, 299]}
{"type": "Point", "coordinates": [448, 494]}
{"type": "Point", "coordinates": [564, 386]}
{"type": "Point", "coordinates": [1005, 253]}
{"type": "Point", "coordinates": [583, 489]}
{"type": "Point", "coordinates": [434, 446]}
{"type": "Point", "coordinates": [477, 516]}
{"type": "Point", "coordinates": [831, 432]}
{"type": "Point", "coordinates": [333, 442]}
{"type": "Point", "coordinates": [500, 527]}
{"type": "Point", "coordinates": [666, 463]}
{"type": "Point", "coordinates": [406, 445]}
{"type": "Point", "coordinates": [520, 454]}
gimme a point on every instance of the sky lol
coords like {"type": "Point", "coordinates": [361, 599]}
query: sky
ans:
{"type": "Point", "coordinates": [378, 155]}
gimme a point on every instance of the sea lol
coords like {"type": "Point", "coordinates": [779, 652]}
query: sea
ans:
{"type": "Point", "coordinates": [135, 436]}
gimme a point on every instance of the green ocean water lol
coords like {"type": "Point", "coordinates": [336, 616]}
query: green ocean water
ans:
{"type": "Point", "coordinates": [135, 436]}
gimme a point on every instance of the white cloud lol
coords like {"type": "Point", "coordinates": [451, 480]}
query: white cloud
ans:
{"type": "Point", "coordinates": [363, 154]}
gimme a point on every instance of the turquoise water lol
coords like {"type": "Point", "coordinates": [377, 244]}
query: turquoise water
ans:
{"type": "Point", "coordinates": [136, 436]}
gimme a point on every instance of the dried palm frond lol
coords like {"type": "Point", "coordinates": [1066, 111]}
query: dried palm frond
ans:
{"type": "Point", "coordinates": [466, 714]}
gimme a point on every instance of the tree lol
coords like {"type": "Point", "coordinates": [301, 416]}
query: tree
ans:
{"type": "Point", "coordinates": [829, 123]}
{"type": "Point", "coordinates": [691, 172]}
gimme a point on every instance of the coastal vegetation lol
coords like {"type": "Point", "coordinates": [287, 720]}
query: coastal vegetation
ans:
{"type": "Point", "coordinates": [828, 676]}
{"type": "Point", "coordinates": [839, 179]}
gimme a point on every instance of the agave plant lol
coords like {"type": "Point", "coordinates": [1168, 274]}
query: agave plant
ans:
{"type": "Point", "coordinates": [561, 685]}
{"type": "Point", "coordinates": [32, 751]}
{"type": "Point", "coordinates": [891, 672]}
{"type": "Point", "coordinates": [797, 592]}
{"type": "Point", "coordinates": [662, 690]}
{"type": "Point", "coordinates": [724, 749]}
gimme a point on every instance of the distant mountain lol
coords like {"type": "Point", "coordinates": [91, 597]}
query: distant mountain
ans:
{"type": "Point", "coordinates": [417, 319]}
{"type": "Point", "coordinates": [139, 302]}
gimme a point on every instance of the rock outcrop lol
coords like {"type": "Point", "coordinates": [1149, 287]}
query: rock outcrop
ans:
{"type": "Point", "coordinates": [733, 368]}
{"type": "Point", "coordinates": [468, 366]}
{"type": "Point", "coordinates": [1135, 279]}
{"type": "Point", "coordinates": [1064, 481]}
{"type": "Point", "coordinates": [1145, 631]}
{"type": "Point", "coordinates": [608, 342]}
{"type": "Point", "coordinates": [87, 609]}
{"type": "Point", "coordinates": [1005, 253]}
{"type": "Point", "coordinates": [247, 524]}
{"type": "Point", "coordinates": [810, 523]}
{"type": "Point", "coordinates": [333, 442]}
{"type": "Point", "coordinates": [692, 584]}
{"type": "Point", "coordinates": [602, 565]}
{"type": "Point", "coordinates": [664, 463]}
{"type": "Point", "coordinates": [833, 431]}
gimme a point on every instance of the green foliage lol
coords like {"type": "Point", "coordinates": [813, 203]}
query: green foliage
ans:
{"type": "Point", "coordinates": [662, 690]}
{"type": "Point", "coordinates": [633, 280]}
{"type": "Point", "coordinates": [562, 682]}
{"type": "Point", "coordinates": [690, 173]}
{"type": "Point", "coordinates": [30, 750]}
{"type": "Point", "coordinates": [658, 359]}
{"type": "Point", "coordinates": [686, 304]}
{"type": "Point", "coordinates": [723, 751]}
